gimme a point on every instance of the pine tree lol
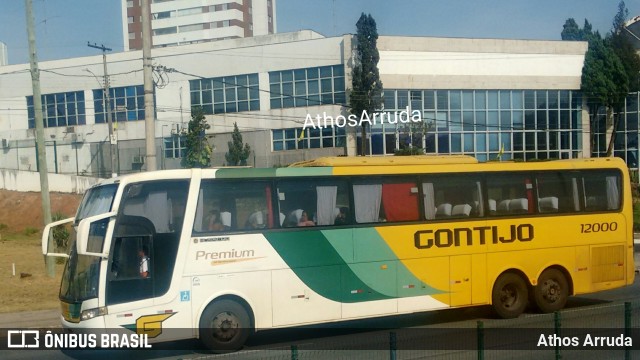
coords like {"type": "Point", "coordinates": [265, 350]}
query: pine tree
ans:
{"type": "Point", "coordinates": [238, 154]}
{"type": "Point", "coordinates": [198, 150]}
{"type": "Point", "coordinates": [366, 94]}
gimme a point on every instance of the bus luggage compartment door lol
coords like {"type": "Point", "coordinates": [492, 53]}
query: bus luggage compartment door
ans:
{"type": "Point", "coordinates": [460, 280]}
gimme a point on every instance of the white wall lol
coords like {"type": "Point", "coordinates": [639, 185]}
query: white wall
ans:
{"type": "Point", "coordinates": [30, 181]}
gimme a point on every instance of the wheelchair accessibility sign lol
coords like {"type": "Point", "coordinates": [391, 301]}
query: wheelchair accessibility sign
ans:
{"type": "Point", "coordinates": [185, 295]}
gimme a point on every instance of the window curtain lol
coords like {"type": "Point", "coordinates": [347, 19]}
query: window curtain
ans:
{"type": "Point", "coordinates": [429, 201]}
{"type": "Point", "coordinates": [613, 194]}
{"type": "Point", "coordinates": [576, 196]}
{"type": "Point", "coordinates": [99, 204]}
{"type": "Point", "coordinates": [367, 199]}
{"type": "Point", "coordinates": [400, 202]}
{"type": "Point", "coordinates": [325, 211]}
{"type": "Point", "coordinates": [480, 200]}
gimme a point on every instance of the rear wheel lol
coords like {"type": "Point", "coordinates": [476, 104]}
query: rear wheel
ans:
{"type": "Point", "coordinates": [552, 291]}
{"type": "Point", "coordinates": [509, 296]}
{"type": "Point", "coordinates": [224, 326]}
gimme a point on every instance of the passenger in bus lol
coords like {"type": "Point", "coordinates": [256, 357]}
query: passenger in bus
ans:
{"type": "Point", "coordinates": [304, 220]}
{"type": "Point", "coordinates": [215, 223]}
{"type": "Point", "coordinates": [341, 218]}
{"type": "Point", "coordinates": [255, 221]}
{"type": "Point", "coordinates": [144, 262]}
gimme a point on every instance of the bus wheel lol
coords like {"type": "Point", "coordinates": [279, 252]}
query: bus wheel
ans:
{"type": "Point", "coordinates": [509, 296]}
{"type": "Point", "coordinates": [224, 326]}
{"type": "Point", "coordinates": [552, 291]}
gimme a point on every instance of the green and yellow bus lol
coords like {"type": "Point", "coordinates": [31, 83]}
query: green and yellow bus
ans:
{"type": "Point", "coordinates": [233, 250]}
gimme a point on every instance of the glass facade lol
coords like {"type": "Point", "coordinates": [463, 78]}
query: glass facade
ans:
{"type": "Point", "coordinates": [307, 87]}
{"type": "Point", "coordinates": [127, 104]}
{"type": "Point", "coordinates": [625, 144]}
{"type": "Point", "coordinates": [61, 109]}
{"type": "Point", "coordinates": [227, 94]}
{"type": "Point", "coordinates": [487, 124]}
{"type": "Point", "coordinates": [295, 139]}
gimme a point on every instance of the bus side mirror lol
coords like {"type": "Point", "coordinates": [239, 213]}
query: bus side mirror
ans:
{"type": "Point", "coordinates": [93, 233]}
{"type": "Point", "coordinates": [52, 246]}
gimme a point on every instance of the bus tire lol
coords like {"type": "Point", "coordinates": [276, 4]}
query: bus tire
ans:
{"type": "Point", "coordinates": [509, 296]}
{"type": "Point", "coordinates": [552, 291]}
{"type": "Point", "coordinates": [224, 326]}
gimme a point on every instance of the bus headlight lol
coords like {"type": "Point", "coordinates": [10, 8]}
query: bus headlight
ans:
{"type": "Point", "coordinates": [91, 313]}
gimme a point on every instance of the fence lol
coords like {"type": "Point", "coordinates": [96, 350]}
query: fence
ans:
{"type": "Point", "coordinates": [91, 159]}
{"type": "Point", "coordinates": [570, 334]}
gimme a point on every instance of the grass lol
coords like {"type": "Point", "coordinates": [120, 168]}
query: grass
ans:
{"type": "Point", "coordinates": [35, 292]}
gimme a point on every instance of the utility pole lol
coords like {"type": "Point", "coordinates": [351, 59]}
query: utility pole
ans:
{"type": "Point", "coordinates": [149, 107]}
{"type": "Point", "coordinates": [37, 110]}
{"type": "Point", "coordinates": [106, 100]}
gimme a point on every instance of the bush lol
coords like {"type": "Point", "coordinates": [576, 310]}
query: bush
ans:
{"type": "Point", "coordinates": [60, 233]}
{"type": "Point", "coordinates": [30, 231]}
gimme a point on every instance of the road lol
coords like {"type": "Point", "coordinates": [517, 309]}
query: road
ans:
{"type": "Point", "coordinates": [372, 337]}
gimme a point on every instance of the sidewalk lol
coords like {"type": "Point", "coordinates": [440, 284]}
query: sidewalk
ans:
{"type": "Point", "coordinates": [31, 319]}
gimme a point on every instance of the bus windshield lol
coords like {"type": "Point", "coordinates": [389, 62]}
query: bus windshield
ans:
{"type": "Point", "coordinates": [80, 277]}
{"type": "Point", "coordinates": [97, 200]}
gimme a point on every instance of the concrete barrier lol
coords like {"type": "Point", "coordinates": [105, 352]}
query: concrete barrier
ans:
{"type": "Point", "coordinates": [17, 180]}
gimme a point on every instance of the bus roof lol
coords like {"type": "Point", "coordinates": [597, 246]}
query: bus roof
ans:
{"type": "Point", "coordinates": [387, 160]}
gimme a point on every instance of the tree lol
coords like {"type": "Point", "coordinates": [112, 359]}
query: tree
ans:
{"type": "Point", "coordinates": [604, 80]}
{"type": "Point", "coordinates": [623, 48]}
{"type": "Point", "coordinates": [198, 150]}
{"type": "Point", "coordinates": [238, 154]}
{"type": "Point", "coordinates": [366, 93]}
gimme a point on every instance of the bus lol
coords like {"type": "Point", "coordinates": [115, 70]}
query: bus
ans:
{"type": "Point", "coordinates": [218, 254]}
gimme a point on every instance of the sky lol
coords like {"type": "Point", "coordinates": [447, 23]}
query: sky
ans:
{"type": "Point", "coordinates": [63, 27]}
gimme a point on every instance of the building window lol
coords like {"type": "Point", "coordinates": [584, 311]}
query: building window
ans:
{"type": "Point", "coordinates": [132, 36]}
{"type": "Point", "coordinates": [190, 11]}
{"type": "Point", "coordinates": [130, 3]}
{"type": "Point", "coordinates": [163, 15]}
{"type": "Point", "coordinates": [295, 139]}
{"type": "Point", "coordinates": [165, 31]}
{"type": "Point", "coordinates": [61, 109]}
{"type": "Point", "coordinates": [175, 147]}
{"type": "Point", "coordinates": [226, 23]}
{"type": "Point", "coordinates": [307, 87]}
{"type": "Point", "coordinates": [487, 124]}
{"type": "Point", "coordinates": [625, 145]}
{"type": "Point", "coordinates": [193, 27]}
{"type": "Point", "coordinates": [127, 104]}
{"type": "Point", "coordinates": [226, 94]}
{"type": "Point", "coordinates": [130, 19]}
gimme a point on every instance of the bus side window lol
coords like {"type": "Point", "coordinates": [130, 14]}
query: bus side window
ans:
{"type": "Point", "coordinates": [313, 202]}
{"type": "Point", "coordinates": [601, 190]}
{"type": "Point", "coordinates": [452, 196]}
{"type": "Point", "coordinates": [512, 194]}
{"type": "Point", "coordinates": [386, 199]}
{"type": "Point", "coordinates": [557, 193]}
{"type": "Point", "coordinates": [234, 206]}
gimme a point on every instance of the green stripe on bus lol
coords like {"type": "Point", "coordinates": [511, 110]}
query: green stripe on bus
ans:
{"type": "Point", "coordinates": [317, 263]}
{"type": "Point", "coordinates": [378, 266]}
{"type": "Point", "coordinates": [347, 265]}
{"type": "Point", "coordinates": [310, 171]}
{"type": "Point", "coordinates": [245, 173]}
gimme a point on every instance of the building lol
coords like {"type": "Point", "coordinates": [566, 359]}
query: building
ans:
{"type": "Point", "coordinates": [179, 22]}
{"type": "Point", "coordinates": [490, 98]}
